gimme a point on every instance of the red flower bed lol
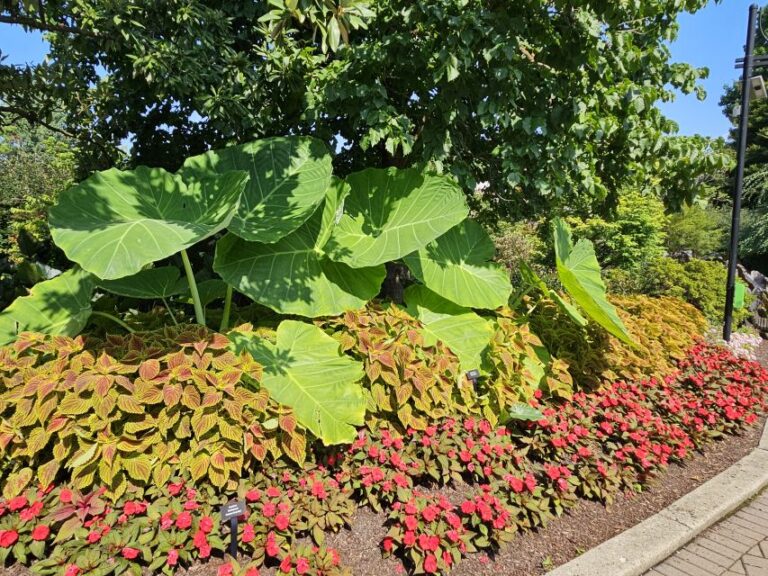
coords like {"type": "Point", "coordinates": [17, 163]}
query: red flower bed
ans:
{"type": "Point", "coordinates": [509, 479]}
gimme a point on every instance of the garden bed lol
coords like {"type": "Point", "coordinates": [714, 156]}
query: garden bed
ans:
{"type": "Point", "coordinates": [585, 526]}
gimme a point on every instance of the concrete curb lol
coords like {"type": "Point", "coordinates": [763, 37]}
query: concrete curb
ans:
{"type": "Point", "coordinates": [640, 548]}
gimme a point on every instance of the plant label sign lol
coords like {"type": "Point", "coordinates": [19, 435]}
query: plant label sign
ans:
{"type": "Point", "coordinates": [232, 509]}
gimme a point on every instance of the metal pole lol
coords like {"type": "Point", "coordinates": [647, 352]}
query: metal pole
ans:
{"type": "Point", "coordinates": [733, 251]}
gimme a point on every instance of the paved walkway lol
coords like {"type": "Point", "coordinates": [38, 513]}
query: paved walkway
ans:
{"type": "Point", "coordinates": [736, 546]}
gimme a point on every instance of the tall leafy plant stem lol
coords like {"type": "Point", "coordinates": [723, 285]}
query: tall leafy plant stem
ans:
{"type": "Point", "coordinates": [227, 308]}
{"type": "Point", "coordinates": [114, 319]}
{"type": "Point", "coordinates": [199, 312]}
{"type": "Point", "coordinates": [170, 312]}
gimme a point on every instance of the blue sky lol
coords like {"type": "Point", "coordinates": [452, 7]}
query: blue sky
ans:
{"type": "Point", "coordinates": [713, 37]}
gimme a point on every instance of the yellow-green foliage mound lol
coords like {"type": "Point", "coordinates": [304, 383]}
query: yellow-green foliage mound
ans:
{"type": "Point", "coordinates": [135, 410]}
{"type": "Point", "coordinates": [662, 328]}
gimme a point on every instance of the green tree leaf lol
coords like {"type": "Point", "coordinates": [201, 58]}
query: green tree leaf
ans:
{"type": "Point", "coordinates": [467, 334]}
{"type": "Point", "coordinates": [288, 180]}
{"type": "Point", "coordinates": [115, 223]}
{"type": "Point", "coordinates": [61, 305]}
{"type": "Point", "coordinates": [151, 283]}
{"type": "Point", "coordinates": [458, 266]}
{"type": "Point", "coordinates": [305, 370]}
{"type": "Point", "coordinates": [579, 272]}
{"type": "Point", "coordinates": [391, 213]}
{"type": "Point", "coordinates": [293, 275]}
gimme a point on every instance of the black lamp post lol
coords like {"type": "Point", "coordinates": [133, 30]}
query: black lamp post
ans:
{"type": "Point", "coordinates": [747, 64]}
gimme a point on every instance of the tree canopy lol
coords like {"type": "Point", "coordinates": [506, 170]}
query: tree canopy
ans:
{"type": "Point", "coordinates": [550, 101]}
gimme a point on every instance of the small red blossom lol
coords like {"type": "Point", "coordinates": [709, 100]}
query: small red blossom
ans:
{"type": "Point", "coordinates": [8, 538]}
{"type": "Point", "coordinates": [184, 521]}
{"type": "Point", "coordinates": [206, 524]}
{"type": "Point", "coordinates": [130, 553]}
{"type": "Point", "coordinates": [302, 566]}
{"type": "Point", "coordinates": [282, 522]}
{"type": "Point", "coordinates": [40, 532]}
{"type": "Point", "coordinates": [173, 557]}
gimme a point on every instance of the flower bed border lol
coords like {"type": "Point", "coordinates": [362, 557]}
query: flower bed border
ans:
{"type": "Point", "coordinates": [640, 548]}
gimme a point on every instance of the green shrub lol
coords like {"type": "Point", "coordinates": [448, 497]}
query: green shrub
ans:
{"type": "Point", "coordinates": [520, 242]}
{"type": "Point", "coordinates": [698, 229]}
{"type": "Point", "coordinates": [698, 282]}
{"type": "Point", "coordinates": [632, 236]}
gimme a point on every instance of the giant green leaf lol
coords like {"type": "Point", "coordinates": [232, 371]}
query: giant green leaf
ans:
{"type": "Point", "coordinates": [305, 370]}
{"type": "Point", "coordinates": [61, 305]}
{"type": "Point", "coordinates": [151, 283]}
{"type": "Point", "coordinates": [458, 266]}
{"type": "Point", "coordinates": [288, 180]}
{"type": "Point", "coordinates": [579, 273]}
{"type": "Point", "coordinates": [391, 213]}
{"type": "Point", "coordinates": [115, 223]}
{"type": "Point", "coordinates": [293, 275]}
{"type": "Point", "coordinates": [464, 332]}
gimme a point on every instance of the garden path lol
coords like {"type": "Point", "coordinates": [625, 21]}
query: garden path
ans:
{"type": "Point", "coordinates": [736, 546]}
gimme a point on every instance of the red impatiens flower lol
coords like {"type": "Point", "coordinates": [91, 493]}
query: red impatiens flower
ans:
{"type": "Point", "coordinates": [430, 513]}
{"type": "Point", "coordinates": [468, 507]}
{"type": "Point", "coordinates": [387, 544]}
{"type": "Point", "coordinates": [65, 497]}
{"type": "Point", "coordinates": [248, 534]}
{"type": "Point", "coordinates": [72, 570]}
{"type": "Point", "coordinates": [199, 540]}
{"type": "Point", "coordinates": [17, 503]}
{"type": "Point", "coordinates": [130, 553]}
{"type": "Point", "coordinates": [269, 510]}
{"type": "Point", "coordinates": [286, 565]}
{"type": "Point", "coordinates": [8, 538]}
{"type": "Point", "coordinates": [282, 522]}
{"type": "Point", "coordinates": [132, 508]}
{"type": "Point", "coordinates": [409, 538]}
{"type": "Point", "coordinates": [273, 492]}
{"type": "Point", "coordinates": [166, 520]}
{"type": "Point", "coordinates": [93, 537]}
{"type": "Point", "coordinates": [429, 542]}
{"type": "Point", "coordinates": [430, 564]}
{"type": "Point", "coordinates": [516, 484]}
{"type": "Point", "coordinates": [184, 521]}
{"type": "Point", "coordinates": [252, 572]}
{"type": "Point", "coordinates": [173, 557]}
{"type": "Point", "coordinates": [253, 495]}
{"type": "Point", "coordinates": [175, 489]}
{"type": "Point", "coordinates": [206, 524]}
{"type": "Point", "coordinates": [302, 565]}
{"type": "Point", "coordinates": [40, 532]}
{"type": "Point", "coordinates": [225, 570]}
{"type": "Point", "coordinates": [32, 512]}
{"type": "Point", "coordinates": [271, 548]}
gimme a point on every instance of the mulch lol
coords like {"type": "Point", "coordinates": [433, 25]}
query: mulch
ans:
{"type": "Point", "coordinates": [585, 526]}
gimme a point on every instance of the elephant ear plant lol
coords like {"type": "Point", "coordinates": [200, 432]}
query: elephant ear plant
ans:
{"type": "Point", "coordinates": [291, 237]}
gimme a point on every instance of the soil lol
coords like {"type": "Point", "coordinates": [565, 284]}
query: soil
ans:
{"type": "Point", "coordinates": [585, 526]}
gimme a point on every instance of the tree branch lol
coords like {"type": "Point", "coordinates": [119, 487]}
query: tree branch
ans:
{"type": "Point", "coordinates": [46, 26]}
{"type": "Point", "coordinates": [32, 118]}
